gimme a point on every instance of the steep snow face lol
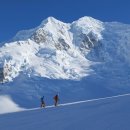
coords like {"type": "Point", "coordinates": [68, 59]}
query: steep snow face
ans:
{"type": "Point", "coordinates": [86, 33]}
{"type": "Point", "coordinates": [115, 43]}
{"type": "Point", "coordinates": [113, 52]}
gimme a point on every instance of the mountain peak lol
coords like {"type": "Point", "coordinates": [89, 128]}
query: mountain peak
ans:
{"type": "Point", "coordinates": [51, 23]}
{"type": "Point", "coordinates": [26, 34]}
{"type": "Point", "coordinates": [87, 18]}
{"type": "Point", "coordinates": [89, 21]}
{"type": "Point", "coordinates": [50, 20]}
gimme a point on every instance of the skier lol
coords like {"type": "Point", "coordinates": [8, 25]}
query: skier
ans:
{"type": "Point", "coordinates": [42, 102]}
{"type": "Point", "coordinates": [56, 99]}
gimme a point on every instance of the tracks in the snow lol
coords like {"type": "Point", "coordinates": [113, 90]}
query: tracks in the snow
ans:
{"type": "Point", "coordinates": [79, 102]}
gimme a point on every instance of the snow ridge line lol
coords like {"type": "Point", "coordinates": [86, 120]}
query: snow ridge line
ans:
{"type": "Point", "coordinates": [79, 102]}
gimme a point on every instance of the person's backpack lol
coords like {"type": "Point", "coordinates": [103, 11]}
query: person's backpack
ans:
{"type": "Point", "coordinates": [56, 97]}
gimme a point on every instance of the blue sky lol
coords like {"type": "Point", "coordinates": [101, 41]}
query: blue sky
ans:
{"type": "Point", "coordinates": [17, 15]}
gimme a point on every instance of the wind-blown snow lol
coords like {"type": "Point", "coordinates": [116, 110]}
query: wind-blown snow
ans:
{"type": "Point", "coordinates": [7, 105]}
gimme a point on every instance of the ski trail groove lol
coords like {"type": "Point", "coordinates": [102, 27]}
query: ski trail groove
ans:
{"type": "Point", "coordinates": [79, 102]}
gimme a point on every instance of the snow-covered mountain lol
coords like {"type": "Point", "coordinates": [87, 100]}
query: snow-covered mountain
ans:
{"type": "Point", "coordinates": [87, 58]}
{"type": "Point", "coordinates": [54, 49]}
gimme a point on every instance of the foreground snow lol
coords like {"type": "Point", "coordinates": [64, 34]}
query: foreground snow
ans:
{"type": "Point", "coordinates": [103, 114]}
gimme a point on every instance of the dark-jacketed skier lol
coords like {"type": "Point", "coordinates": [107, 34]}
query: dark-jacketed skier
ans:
{"type": "Point", "coordinates": [42, 102]}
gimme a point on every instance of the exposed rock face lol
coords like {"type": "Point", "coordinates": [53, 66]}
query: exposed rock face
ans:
{"type": "Point", "coordinates": [1, 75]}
{"type": "Point", "coordinates": [62, 45]}
{"type": "Point", "coordinates": [39, 36]}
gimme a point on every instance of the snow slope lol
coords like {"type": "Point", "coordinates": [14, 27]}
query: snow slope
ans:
{"type": "Point", "coordinates": [103, 114]}
{"type": "Point", "coordinates": [80, 60]}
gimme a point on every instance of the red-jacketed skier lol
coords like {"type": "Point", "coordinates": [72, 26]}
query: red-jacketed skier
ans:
{"type": "Point", "coordinates": [56, 99]}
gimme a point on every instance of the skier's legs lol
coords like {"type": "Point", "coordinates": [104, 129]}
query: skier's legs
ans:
{"type": "Point", "coordinates": [56, 103]}
{"type": "Point", "coordinates": [42, 104]}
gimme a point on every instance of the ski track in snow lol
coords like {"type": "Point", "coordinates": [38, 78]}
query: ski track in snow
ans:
{"type": "Point", "coordinates": [79, 102]}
